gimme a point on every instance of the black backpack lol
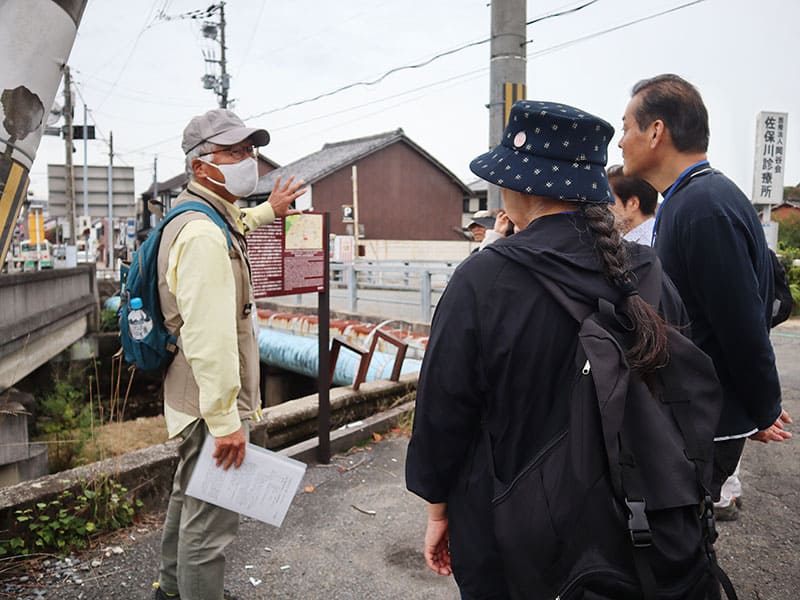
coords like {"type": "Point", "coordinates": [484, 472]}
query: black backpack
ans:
{"type": "Point", "coordinates": [783, 301]}
{"type": "Point", "coordinates": [616, 506]}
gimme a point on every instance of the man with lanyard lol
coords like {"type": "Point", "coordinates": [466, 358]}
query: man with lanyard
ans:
{"type": "Point", "coordinates": [212, 385]}
{"type": "Point", "coordinates": [711, 244]}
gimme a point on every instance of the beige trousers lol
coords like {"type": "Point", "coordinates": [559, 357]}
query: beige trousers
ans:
{"type": "Point", "coordinates": [195, 533]}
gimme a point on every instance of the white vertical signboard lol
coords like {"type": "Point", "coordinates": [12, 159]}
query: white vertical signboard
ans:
{"type": "Point", "coordinates": [770, 157]}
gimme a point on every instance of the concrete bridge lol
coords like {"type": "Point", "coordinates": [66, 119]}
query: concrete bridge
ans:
{"type": "Point", "coordinates": [42, 314]}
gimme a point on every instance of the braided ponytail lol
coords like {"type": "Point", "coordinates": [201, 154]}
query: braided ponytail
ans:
{"type": "Point", "coordinates": [649, 349]}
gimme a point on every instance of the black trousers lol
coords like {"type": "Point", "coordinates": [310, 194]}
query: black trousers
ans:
{"type": "Point", "coordinates": [726, 456]}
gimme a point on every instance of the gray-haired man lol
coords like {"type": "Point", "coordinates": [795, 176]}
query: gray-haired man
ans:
{"type": "Point", "coordinates": [212, 384]}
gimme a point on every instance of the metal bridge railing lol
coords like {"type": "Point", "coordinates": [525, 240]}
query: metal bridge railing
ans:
{"type": "Point", "coordinates": [402, 283]}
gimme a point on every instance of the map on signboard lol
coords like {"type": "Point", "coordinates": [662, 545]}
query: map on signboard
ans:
{"type": "Point", "coordinates": [303, 232]}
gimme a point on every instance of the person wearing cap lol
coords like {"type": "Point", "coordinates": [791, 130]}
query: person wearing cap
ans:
{"type": "Point", "coordinates": [634, 205]}
{"type": "Point", "coordinates": [486, 227]}
{"type": "Point", "coordinates": [712, 245]}
{"type": "Point", "coordinates": [501, 346]}
{"type": "Point", "coordinates": [212, 385]}
{"type": "Point", "coordinates": [481, 222]}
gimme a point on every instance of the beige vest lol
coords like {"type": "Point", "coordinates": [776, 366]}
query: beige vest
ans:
{"type": "Point", "coordinates": [180, 388]}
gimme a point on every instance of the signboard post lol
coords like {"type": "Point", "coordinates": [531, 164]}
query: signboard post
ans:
{"type": "Point", "coordinates": [291, 256]}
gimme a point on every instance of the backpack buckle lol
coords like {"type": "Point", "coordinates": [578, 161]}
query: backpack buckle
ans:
{"type": "Point", "coordinates": [638, 525]}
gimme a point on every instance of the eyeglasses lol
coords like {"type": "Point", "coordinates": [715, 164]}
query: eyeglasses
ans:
{"type": "Point", "coordinates": [239, 153]}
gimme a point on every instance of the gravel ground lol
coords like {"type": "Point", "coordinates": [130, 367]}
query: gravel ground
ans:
{"type": "Point", "coordinates": [357, 533]}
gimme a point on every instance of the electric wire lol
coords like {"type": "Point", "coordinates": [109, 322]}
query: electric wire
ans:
{"type": "Point", "coordinates": [366, 83]}
{"type": "Point", "coordinates": [201, 13]}
{"type": "Point", "coordinates": [609, 30]}
{"type": "Point", "coordinates": [249, 45]}
{"type": "Point", "coordinates": [450, 52]}
{"type": "Point", "coordinates": [562, 13]}
{"type": "Point", "coordinates": [148, 24]}
{"type": "Point", "coordinates": [98, 131]}
{"type": "Point", "coordinates": [378, 101]}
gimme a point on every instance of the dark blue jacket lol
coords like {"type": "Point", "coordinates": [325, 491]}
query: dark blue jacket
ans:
{"type": "Point", "coordinates": [712, 246]}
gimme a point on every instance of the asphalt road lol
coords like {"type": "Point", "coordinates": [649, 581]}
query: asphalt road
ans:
{"type": "Point", "coordinates": [358, 534]}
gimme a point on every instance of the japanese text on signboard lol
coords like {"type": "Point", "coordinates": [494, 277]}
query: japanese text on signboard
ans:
{"type": "Point", "coordinates": [770, 158]}
{"type": "Point", "coordinates": [288, 256]}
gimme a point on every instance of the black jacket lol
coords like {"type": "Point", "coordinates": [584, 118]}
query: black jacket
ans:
{"type": "Point", "coordinates": [499, 351]}
{"type": "Point", "coordinates": [712, 246]}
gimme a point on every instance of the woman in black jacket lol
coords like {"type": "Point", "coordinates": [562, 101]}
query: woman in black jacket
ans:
{"type": "Point", "coordinates": [501, 346]}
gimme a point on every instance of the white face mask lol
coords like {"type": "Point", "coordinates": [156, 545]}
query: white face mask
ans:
{"type": "Point", "coordinates": [241, 178]}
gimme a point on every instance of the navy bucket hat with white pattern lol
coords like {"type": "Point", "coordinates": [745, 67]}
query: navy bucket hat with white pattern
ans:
{"type": "Point", "coordinates": [550, 149]}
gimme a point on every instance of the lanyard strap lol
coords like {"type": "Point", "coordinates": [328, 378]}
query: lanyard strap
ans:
{"type": "Point", "coordinates": [687, 173]}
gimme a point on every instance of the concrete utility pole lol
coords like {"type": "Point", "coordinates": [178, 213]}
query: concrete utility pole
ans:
{"type": "Point", "coordinates": [29, 77]}
{"type": "Point", "coordinates": [155, 185]}
{"type": "Point", "coordinates": [216, 32]}
{"type": "Point", "coordinates": [110, 228]}
{"type": "Point", "coordinates": [356, 234]}
{"type": "Point", "coordinates": [85, 165]}
{"type": "Point", "coordinates": [223, 97]}
{"type": "Point", "coordinates": [506, 71]}
{"type": "Point", "coordinates": [70, 170]}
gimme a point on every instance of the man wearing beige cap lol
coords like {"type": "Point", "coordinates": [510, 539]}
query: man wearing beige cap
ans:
{"type": "Point", "coordinates": [211, 386]}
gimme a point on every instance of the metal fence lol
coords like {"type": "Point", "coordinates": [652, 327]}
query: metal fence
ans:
{"type": "Point", "coordinates": [399, 289]}
{"type": "Point", "coordinates": [405, 284]}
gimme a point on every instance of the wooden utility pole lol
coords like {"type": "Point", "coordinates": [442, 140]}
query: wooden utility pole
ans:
{"type": "Point", "coordinates": [69, 168]}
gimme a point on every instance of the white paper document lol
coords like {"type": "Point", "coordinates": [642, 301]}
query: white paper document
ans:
{"type": "Point", "coordinates": [262, 488]}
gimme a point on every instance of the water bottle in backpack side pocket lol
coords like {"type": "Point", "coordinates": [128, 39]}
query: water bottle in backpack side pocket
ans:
{"type": "Point", "coordinates": [139, 322]}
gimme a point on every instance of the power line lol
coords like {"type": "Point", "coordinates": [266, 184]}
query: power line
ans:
{"type": "Point", "coordinates": [610, 29]}
{"type": "Point", "coordinates": [130, 54]}
{"type": "Point", "coordinates": [466, 46]}
{"type": "Point", "coordinates": [256, 23]}
{"type": "Point", "coordinates": [563, 12]}
{"type": "Point", "coordinates": [384, 99]}
{"type": "Point", "coordinates": [202, 13]}
{"type": "Point", "coordinates": [453, 51]}
{"type": "Point", "coordinates": [104, 85]}
{"type": "Point", "coordinates": [412, 66]}
{"type": "Point", "coordinates": [369, 83]}
{"type": "Point", "coordinates": [97, 128]}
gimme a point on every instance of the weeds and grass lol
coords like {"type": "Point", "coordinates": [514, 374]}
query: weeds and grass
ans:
{"type": "Point", "coordinates": [70, 413]}
{"type": "Point", "coordinates": [64, 420]}
{"type": "Point", "coordinates": [71, 420]}
{"type": "Point", "coordinates": [67, 523]}
{"type": "Point", "coordinates": [109, 321]}
{"type": "Point", "coordinates": [406, 423]}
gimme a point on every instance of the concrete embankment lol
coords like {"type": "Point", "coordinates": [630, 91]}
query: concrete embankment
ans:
{"type": "Point", "coordinates": [290, 427]}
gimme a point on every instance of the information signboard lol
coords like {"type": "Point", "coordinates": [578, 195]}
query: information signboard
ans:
{"type": "Point", "coordinates": [288, 256]}
{"type": "Point", "coordinates": [769, 157]}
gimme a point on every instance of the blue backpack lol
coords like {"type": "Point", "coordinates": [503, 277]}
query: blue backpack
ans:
{"type": "Point", "coordinates": [146, 343]}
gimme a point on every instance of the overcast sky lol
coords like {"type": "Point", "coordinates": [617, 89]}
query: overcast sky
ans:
{"type": "Point", "coordinates": [140, 74]}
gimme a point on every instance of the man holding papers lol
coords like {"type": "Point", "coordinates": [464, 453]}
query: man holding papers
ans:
{"type": "Point", "coordinates": [212, 385]}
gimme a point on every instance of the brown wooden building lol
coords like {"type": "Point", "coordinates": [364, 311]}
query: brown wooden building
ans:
{"type": "Point", "coordinates": [403, 192]}
{"type": "Point", "coordinates": [788, 211]}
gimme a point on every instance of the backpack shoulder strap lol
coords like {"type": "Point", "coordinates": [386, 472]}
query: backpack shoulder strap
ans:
{"type": "Point", "coordinates": [201, 207]}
